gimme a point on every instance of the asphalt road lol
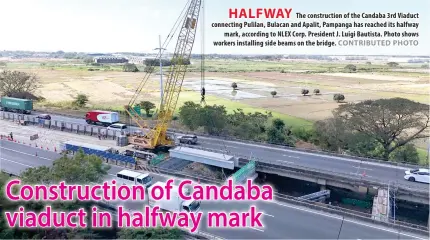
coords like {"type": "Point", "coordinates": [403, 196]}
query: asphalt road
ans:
{"type": "Point", "coordinates": [337, 165]}
{"type": "Point", "coordinates": [281, 221]}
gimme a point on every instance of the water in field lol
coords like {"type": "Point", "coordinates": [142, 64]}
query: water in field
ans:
{"type": "Point", "coordinates": [223, 89]}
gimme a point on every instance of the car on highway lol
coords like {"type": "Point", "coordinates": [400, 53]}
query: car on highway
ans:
{"type": "Point", "coordinates": [188, 139]}
{"type": "Point", "coordinates": [117, 127]}
{"type": "Point", "coordinates": [44, 116]}
{"type": "Point", "coordinates": [418, 175]}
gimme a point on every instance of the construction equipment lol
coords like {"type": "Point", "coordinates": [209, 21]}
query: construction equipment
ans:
{"type": "Point", "coordinates": [156, 137]}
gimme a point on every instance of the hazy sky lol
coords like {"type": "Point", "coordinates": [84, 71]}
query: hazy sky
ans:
{"type": "Point", "coordinates": [134, 25]}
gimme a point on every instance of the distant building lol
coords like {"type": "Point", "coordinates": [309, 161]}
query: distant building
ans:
{"type": "Point", "coordinates": [110, 60]}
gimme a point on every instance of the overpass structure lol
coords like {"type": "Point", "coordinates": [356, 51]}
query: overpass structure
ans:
{"type": "Point", "coordinates": [357, 174]}
{"type": "Point", "coordinates": [281, 220]}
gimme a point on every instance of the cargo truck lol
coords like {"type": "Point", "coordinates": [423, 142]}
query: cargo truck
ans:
{"type": "Point", "coordinates": [176, 203]}
{"type": "Point", "coordinates": [104, 118]}
{"type": "Point", "coordinates": [9, 104]}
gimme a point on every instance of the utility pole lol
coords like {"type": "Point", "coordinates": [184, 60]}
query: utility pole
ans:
{"type": "Point", "coordinates": [160, 48]}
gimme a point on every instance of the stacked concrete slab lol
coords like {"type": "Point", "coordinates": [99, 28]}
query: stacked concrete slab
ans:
{"type": "Point", "coordinates": [381, 206]}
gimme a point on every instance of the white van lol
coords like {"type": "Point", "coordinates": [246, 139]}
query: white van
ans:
{"type": "Point", "coordinates": [130, 177]}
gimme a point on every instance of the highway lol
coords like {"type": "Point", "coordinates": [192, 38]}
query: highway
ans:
{"type": "Point", "coordinates": [383, 173]}
{"type": "Point", "coordinates": [281, 220]}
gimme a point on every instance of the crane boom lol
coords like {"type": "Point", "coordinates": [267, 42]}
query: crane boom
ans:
{"type": "Point", "coordinates": [173, 84]}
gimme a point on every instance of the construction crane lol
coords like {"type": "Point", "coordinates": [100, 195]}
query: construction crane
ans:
{"type": "Point", "coordinates": [156, 137]}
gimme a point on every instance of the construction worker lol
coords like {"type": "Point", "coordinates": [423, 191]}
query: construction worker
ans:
{"type": "Point", "coordinates": [11, 136]}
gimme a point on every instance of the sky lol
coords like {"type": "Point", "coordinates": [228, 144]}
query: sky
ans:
{"type": "Point", "coordinates": [134, 25]}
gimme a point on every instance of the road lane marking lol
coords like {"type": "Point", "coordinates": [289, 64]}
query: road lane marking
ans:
{"type": "Point", "coordinates": [284, 155]}
{"type": "Point", "coordinates": [359, 167]}
{"type": "Point", "coordinates": [255, 228]}
{"type": "Point", "coordinates": [28, 154]}
{"type": "Point", "coordinates": [283, 161]}
{"type": "Point", "coordinates": [7, 160]}
{"type": "Point", "coordinates": [268, 215]}
{"type": "Point", "coordinates": [309, 153]}
{"type": "Point", "coordinates": [346, 220]}
{"type": "Point", "coordinates": [222, 145]}
{"type": "Point", "coordinates": [360, 174]}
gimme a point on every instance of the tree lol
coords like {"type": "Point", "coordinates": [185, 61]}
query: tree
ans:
{"type": "Point", "coordinates": [130, 67]}
{"type": "Point", "coordinates": [14, 82]}
{"type": "Point", "coordinates": [351, 68]}
{"type": "Point", "coordinates": [189, 114]}
{"type": "Point", "coordinates": [273, 93]}
{"type": "Point", "coordinates": [392, 64]}
{"type": "Point", "coordinates": [316, 91]}
{"type": "Point", "coordinates": [3, 64]}
{"type": "Point", "coordinates": [79, 169]}
{"type": "Point", "coordinates": [213, 119]}
{"type": "Point", "coordinates": [331, 134]}
{"type": "Point", "coordinates": [234, 85]}
{"type": "Point", "coordinates": [407, 153]}
{"type": "Point", "coordinates": [147, 106]}
{"type": "Point", "coordinates": [88, 60]}
{"type": "Point", "coordinates": [338, 97]}
{"type": "Point", "coordinates": [391, 122]}
{"type": "Point", "coordinates": [278, 133]}
{"type": "Point", "coordinates": [150, 233]}
{"type": "Point", "coordinates": [247, 125]}
{"type": "Point", "coordinates": [368, 63]}
{"type": "Point", "coordinates": [305, 91]}
{"type": "Point", "coordinates": [148, 69]}
{"type": "Point", "coordinates": [81, 100]}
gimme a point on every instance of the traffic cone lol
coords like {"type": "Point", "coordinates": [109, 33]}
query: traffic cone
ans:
{"type": "Point", "coordinates": [41, 147]}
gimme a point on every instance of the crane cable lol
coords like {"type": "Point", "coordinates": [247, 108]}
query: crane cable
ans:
{"type": "Point", "coordinates": [165, 44]}
{"type": "Point", "coordinates": [202, 56]}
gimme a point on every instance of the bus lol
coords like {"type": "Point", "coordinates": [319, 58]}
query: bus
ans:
{"type": "Point", "coordinates": [130, 177]}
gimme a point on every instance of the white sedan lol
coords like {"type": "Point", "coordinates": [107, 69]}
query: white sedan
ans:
{"type": "Point", "coordinates": [418, 175]}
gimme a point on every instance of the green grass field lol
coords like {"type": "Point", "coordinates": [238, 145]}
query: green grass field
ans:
{"type": "Point", "coordinates": [424, 157]}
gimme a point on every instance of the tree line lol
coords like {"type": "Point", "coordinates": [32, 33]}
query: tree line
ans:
{"type": "Point", "coordinates": [384, 128]}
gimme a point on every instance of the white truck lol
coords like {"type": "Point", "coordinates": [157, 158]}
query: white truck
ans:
{"type": "Point", "coordinates": [176, 203]}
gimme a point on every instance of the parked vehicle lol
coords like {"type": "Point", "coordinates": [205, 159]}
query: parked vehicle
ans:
{"type": "Point", "coordinates": [130, 177]}
{"type": "Point", "coordinates": [418, 175]}
{"type": "Point", "coordinates": [9, 104]}
{"type": "Point", "coordinates": [175, 204]}
{"type": "Point", "coordinates": [188, 139]}
{"type": "Point", "coordinates": [105, 118]}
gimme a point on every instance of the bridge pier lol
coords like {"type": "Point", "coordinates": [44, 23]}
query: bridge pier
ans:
{"type": "Point", "coordinates": [381, 206]}
{"type": "Point", "coordinates": [322, 183]}
{"type": "Point", "coordinates": [362, 189]}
